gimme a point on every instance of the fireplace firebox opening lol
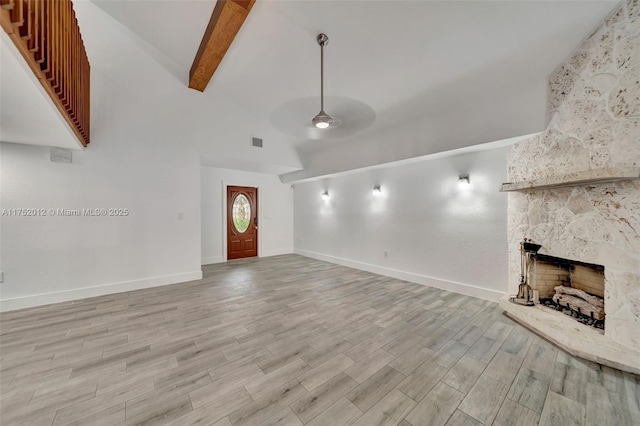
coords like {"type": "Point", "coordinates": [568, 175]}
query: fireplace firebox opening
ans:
{"type": "Point", "coordinates": [572, 287]}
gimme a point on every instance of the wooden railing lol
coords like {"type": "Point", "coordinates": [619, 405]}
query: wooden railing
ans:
{"type": "Point", "coordinates": [47, 35]}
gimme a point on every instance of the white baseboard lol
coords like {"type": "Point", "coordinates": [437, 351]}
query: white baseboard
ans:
{"type": "Point", "coordinates": [276, 252]}
{"type": "Point", "coordinates": [212, 260]}
{"type": "Point", "coordinates": [82, 293]}
{"type": "Point", "coordinates": [467, 289]}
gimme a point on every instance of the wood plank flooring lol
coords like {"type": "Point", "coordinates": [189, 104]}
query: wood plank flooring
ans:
{"type": "Point", "coordinates": [289, 340]}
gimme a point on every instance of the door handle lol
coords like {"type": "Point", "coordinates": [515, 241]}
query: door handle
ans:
{"type": "Point", "coordinates": [255, 221]}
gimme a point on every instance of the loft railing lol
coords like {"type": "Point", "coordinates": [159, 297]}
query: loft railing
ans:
{"type": "Point", "coordinates": [47, 35]}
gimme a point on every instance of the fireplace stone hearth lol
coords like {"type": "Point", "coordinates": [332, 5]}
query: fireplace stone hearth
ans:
{"type": "Point", "coordinates": [571, 336]}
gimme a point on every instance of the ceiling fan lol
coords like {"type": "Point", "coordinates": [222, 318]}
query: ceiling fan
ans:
{"type": "Point", "coordinates": [292, 117]}
{"type": "Point", "coordinates": [322, 120]}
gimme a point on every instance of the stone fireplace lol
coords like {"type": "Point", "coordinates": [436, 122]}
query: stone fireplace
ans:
{"type": "Point", "coordinates": [574, 190]}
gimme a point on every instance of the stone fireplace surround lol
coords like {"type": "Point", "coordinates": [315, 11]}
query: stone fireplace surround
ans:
{"type": "Point", "coordinates": [564, 331]}
{"type": "Point", "coordinates": [576, 189]}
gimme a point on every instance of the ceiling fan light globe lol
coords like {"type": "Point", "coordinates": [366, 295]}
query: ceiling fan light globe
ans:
{"type": "Point", "coordinates": [322, 120]}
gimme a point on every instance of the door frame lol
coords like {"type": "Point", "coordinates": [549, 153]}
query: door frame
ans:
{"type": "Point", "coordinates": [225, 184]}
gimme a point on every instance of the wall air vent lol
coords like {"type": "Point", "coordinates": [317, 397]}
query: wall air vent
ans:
{"type": "Point", "coordinates": [60, 156]}
{"type": "Point", "coordinates": [257, 142]}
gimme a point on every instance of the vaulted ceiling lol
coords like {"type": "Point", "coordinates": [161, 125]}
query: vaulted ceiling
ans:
{"type": "Point", "coordinates": [407, 78]}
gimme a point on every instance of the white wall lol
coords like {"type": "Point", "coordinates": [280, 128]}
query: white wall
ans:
{"type": "Point", "coordinates": [51, 258]}
{"type": "Point", "coordinates": [131, 163]}
{"type": "Point", "coordinates": [275, 212]}
{"type": "Point", "coordinates": [434, 232]}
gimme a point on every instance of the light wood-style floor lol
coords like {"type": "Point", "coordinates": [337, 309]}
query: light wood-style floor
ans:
{"type": "Point", "coordinates": [289, 340]}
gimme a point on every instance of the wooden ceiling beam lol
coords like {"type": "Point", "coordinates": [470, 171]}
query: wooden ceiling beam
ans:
{"type": "Point", "coordinates": [226, 20]}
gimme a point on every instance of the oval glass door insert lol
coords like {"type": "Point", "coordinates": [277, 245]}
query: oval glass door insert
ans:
{"type": "Point", "coordinates": [241, 213]}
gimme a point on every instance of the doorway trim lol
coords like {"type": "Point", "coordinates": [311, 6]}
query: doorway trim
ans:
{"type": "Point", "coordinates": [240, 182]}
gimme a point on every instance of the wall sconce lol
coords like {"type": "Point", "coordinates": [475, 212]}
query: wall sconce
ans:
{"type": "Point", "coordinates": [325, 195]}
{"type": "Point", "coordinates": [377, 190]}
{"type": "Point", "coordinates": [463, 181]}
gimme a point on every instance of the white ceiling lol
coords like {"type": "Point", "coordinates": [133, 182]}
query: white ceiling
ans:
{"type": "Point", "coordinates": [436, 75]}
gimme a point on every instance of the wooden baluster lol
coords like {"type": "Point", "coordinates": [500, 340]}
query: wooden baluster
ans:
{"type": "Point", "coordinates": [70, 56]}
{"type": "Point", "coordinates": [83, 88]}
{"type": "Point", "coordinates": [72, 76]}
{"type": "Point", "coordinates": [80, 93]}
{"type": "Point", "coordinates": [84, 85]}
{"type": "Point", "coordinates": [54, 43]}
{"type": "Point", "coordinates": [86, 104]}
{"type": "Point", "coordinates": [69, 39]}
{"type": "Point", "coordinates": [87, 122]}
{"type": "Point", "coordinates": [58, 57]}
{"type": "Point", "coordinates": [17, 13]}
{"type": "Point", "coordinates": [33, 46]}
{"type": "Point", "coordinates": [76, 66]}
{"type": "Point", "coordinates": [86, 92]}
{"type": "Point", "coordinates": [31, 21]}
{"type": "Point", "coordinates": [63, 63]}
{"type": "Point", "coordinates": [47, 38]}
{"type": "Point", "coordinates": [65, 54]}
{"type": "Point", "coordinates": [25, 28]}
{"type": "Point", "coordinates": [33, 18]}
{"type": "Point", "coordinates": [80, 87]}
{"type": "Point", "coordinates": [79, 76]}
{"type": "Point", "coordinates": [76, 62]}
{"type": "Point", "coordinates": [39, 54]}
{"type": "Point", "coordinates": [50, 42]}
{"type": "Point", "coordinates": [76, 74]}
{"type": "Point", "coordinates": [47, 69]}
{"type": "Point", "coordinates": [56, 47]}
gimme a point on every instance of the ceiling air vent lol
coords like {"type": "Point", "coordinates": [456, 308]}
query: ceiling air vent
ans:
{"type": "Point", "coordinates": [257, 142]}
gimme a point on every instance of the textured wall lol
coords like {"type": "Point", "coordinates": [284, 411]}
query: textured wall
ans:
{"type": "Point", "coordinates": [594, 122]}
{"type": "Point", "coordinates": [53, 258]}
{"type": "Point", "coordinates": [433, 231]}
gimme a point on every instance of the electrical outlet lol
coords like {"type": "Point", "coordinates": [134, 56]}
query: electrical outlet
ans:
{"type": "Point", "coordinates": [1, 277]}
{"type": "Point", "coordinates": [386, 253]}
